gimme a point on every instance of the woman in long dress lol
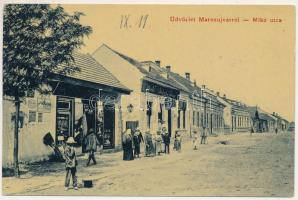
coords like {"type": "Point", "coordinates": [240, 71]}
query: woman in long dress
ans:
{"type": "Point", "coordinates": [158, 141]}
{"type": "Point", "coordinates": [127, 145]}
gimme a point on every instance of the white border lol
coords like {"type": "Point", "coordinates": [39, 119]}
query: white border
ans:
{"type": "Point", "coordinates": [180, 2]}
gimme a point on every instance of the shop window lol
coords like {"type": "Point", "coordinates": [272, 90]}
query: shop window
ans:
{"type": "Point", "coordinates": [32, 116]}
{"type": "Point", "coordinates": [40, 117]}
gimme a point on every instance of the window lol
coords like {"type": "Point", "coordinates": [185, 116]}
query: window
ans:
{"type": "Point", "coordinates": [198, 119]}
{"type": "Point", "coordinates": [32, 116]}
{"type": "Point", "coordinates": [193, 117]}
{"type": "Point", "coordinates": [40, 117]}
{"type": "Point", "coordinates": [184, 119]}
{"type": "Point", "coordinates": [202, 119]}
{"type": "Point", "coordinates": [178, 119]}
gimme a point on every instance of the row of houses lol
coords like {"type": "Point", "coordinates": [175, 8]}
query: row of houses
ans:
{"type": "Point", "coordinates": [114, 92]}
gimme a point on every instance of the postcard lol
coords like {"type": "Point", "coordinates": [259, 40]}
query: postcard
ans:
{"type": "Point", "coordinates": [148, 100]}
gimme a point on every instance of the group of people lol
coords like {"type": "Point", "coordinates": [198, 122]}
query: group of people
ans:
{"type": "Point", "coordinates": [131, 144]}
{"type": "Point", "coordinates": [154, 144]}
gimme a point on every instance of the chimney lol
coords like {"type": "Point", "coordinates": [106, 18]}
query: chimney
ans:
{"type": "Point", "coordinates": [168, 68]}
{"type": "Point", "coordinates": [187, 75]}
{"type": "Point", "coordinates": [195, 83]}
{"type": "Point", "coordinates": [224, 96]}
{"type": "Point", "coordinates": [157, 62]}
{"type": "Point", "coordinates": [217, 93]}
{"type": "Point", "coordinates": [203, 86]}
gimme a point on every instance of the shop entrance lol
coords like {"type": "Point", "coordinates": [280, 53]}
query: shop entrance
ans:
{"type": "Point", "coordinates": [109, 126]}
{"type": "Point", "coordinates": [64, 117]}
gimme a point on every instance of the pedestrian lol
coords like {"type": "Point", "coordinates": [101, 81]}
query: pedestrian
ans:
{"type": "Point", "coordinates": [158, 141]}
{"type": "Point", "coordinates": [149, 148]}
{"type": "Point", "coordinates": [276, 130]}
{"type": "Point", "coordinates": [195, 139]}
{"type": "Point", "coordinates": [70, 163]}
{"type": "Point", "coordinates": [137, 139]}
{"type": "Point", "coordinates": [203, 135]}
{"type": "Point", "coordinates": [127, 145]}
{"type": "Point", "coordinates": [252, 131]}
{"type": "Point", "coordinates": [91, 146]}
{"type": "Point", "coordinates": [177, 142]}
{"type": "Point", "coordinates": [167, 140]}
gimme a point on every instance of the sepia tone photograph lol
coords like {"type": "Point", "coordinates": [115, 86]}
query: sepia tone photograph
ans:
{"type": "Point", "coordinates": [148, 100]}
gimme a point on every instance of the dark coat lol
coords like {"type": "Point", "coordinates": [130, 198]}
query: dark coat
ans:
{"type": "Point", "coordinates": [127, 147]}
{"type": "Point", "coordinates": [166, 138]}
{"type": "Point", "coordinates": [137, 139]}
{"type": "Point", "coordinates": [91, 142]}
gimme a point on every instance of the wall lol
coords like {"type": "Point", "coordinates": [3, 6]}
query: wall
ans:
{"type": "Point", "coordinates": [31, 147]}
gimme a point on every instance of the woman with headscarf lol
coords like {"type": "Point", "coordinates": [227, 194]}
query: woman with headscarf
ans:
{"type": "Point", "coordinates": [127, 145]}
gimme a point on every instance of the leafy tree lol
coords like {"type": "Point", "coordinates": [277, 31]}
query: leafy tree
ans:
{"type": "Point", "coordinates": [38, 40]}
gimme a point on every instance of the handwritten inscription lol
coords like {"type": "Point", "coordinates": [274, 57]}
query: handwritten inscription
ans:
{"type": "Point", "coordinates": [128, 21]}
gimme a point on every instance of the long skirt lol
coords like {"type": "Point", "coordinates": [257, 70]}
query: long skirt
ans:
{"type": "Point", "coordinates": [159, 147]}
{"type": "Point", "coordinates": [128, 152]}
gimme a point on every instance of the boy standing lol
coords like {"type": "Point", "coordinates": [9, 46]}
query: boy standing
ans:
{"type": "Point", "coordinates": [70, 163]}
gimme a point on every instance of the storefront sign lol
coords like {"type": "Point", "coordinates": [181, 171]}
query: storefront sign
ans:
{"type": "Point", "coordinates": [32, 104]}
{"type": "Point", "coordinates": [44, 105]}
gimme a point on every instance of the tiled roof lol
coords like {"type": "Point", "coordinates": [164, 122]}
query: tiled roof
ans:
{"type": "Point", "coordinates": [153, 75]}
{"type": "Point", "coordinates": [92, 71]}
{"type": "Point", "coordinates": [262, 115]}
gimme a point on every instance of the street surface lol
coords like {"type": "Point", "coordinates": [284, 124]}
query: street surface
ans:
{"type": "Point", "coordinates": [257, 165]}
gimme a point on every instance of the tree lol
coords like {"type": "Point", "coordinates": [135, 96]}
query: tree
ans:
{"type": "Point", "coordinates": [38, 40]}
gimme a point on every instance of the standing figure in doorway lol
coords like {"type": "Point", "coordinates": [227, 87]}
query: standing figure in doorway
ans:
{"type": "Point", "coordinates": [166, 140]}
{"type": "Point", "coordinates": [127, 145]}
{"type": "Point", "coordinates": [137, 139]}
{"type": "Point", "coordinates": [91, 146]}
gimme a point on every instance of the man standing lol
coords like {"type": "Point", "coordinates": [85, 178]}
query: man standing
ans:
{"type": "Point", "coordinates": [91, 145]}
{"type": "Point", "coordinates": [70, 163]}
{"type": "Point", "coordinates": [166, 140]}
{"type": "Point", "coordinates": [203, 135]}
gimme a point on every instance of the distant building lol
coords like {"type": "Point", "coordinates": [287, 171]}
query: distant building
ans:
{"type": "Point", "coordinates": [236, 115]}
{"type": "Point", "coordinates": [261, 120]}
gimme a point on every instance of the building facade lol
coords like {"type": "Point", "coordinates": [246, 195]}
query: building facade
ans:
{"type": "Point", "coordinates": [154, 100]}
{"type": "Point", "coordinates": [236, 115]}
{"type": "Point", "coordinates": [78, 102]}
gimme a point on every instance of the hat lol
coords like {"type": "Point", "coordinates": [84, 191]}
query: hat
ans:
{"type": "Point", "coordinates": [70, 140]}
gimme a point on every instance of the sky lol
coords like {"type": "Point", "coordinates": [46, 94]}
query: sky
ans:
{"type": "Point", "coordinates": [253, 62]}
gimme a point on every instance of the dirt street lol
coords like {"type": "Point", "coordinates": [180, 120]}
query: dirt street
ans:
{"type": "Point", "coordinates": [257, 165]}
